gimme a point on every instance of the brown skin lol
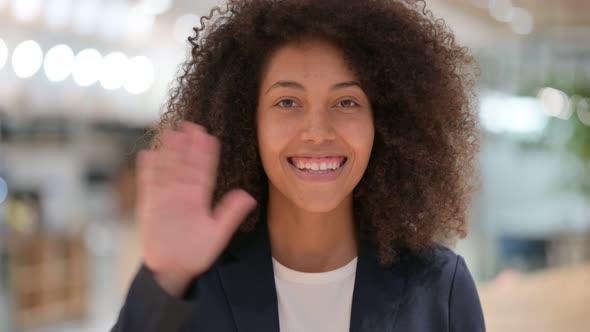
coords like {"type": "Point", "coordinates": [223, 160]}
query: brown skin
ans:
{"type": "Point", "coordinates": [174, 215]}
{"type": "Point", "coordinates": [419, 180]}
{"type": "Point", "coordinates": [312, 223]}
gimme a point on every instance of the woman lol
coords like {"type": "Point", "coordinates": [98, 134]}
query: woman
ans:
{"type": "Point", "coordinates": [344, 142]}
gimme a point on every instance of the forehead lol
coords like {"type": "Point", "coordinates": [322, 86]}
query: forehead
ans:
{"type": "Point", "coordinates": [308, 59]}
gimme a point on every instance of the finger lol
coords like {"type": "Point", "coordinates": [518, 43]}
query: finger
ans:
{"type": "Point", "coordinates": [232, 209]}
{"type": "Point", "coordinates": [202, 142]}
{"type": "Point", "coordinates": [203, 153]}
{"type": "Point", "coordinates": [188, 126]}
{"type": "Point", "coordinates": [174, 141]}
{"type": "Point", "coordinates": [181, 161]}
{"type": "Point", "coordinates": [174, 174]}
{"type": "Point", "coordinates": [187, 175]}
{"type": "Point", "coordinates": [172, 150]}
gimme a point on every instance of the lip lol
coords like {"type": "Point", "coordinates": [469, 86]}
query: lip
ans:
{"type": "Point", "coordinates": [330, 176]}
{"type": "Point", "coordinates": [334, 155]}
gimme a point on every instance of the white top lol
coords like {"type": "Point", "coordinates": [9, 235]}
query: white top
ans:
{"type": "Point", "coordinates": [314, 302]}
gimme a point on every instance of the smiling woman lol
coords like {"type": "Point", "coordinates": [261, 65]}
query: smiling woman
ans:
{"type": "Point", "coordinates": [311, 129]}
{"type": "Point", "coordinates": [311, 156]}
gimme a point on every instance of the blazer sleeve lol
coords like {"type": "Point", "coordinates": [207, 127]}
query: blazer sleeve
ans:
{"type": "Point", "coordinates": [148, 307]}
{"type": "Point", "coordinates": [465, 312]}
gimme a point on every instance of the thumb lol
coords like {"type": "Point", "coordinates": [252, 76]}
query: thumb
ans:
{"type": "Point", "coordinates": [232, 209]}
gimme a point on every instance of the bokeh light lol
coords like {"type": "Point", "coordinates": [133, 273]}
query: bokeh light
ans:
{"type": "Point", "coordinates": [27, 59]}
{"type": "Point", "coordinates": [509, 114]}
{"type": "Point", "coordinates": [501, 10]}
{"type": "Point", "coordinates": [87, 66]}
{"type": "Point", "coordinates": [140, 75]}
{"type": "Point", "coordinates": [555, 103]}
{"type": "Point", "coordinates": [522, 21]}
{"type": "Point", "coordinates": [113, 69]}
{"type": "Point", "coordinates": [59, 63]}
{"type": "Point", "coordinates": [26, 10]}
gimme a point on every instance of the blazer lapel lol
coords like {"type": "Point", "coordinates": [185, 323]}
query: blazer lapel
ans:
{"type": "Point", "coordinates": [248, 281]}
{"type": "Point", "coordinates": [377, 293]}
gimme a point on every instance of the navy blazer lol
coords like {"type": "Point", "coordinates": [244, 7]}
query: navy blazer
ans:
{"type": "Point", "coordinates": [238, 293]}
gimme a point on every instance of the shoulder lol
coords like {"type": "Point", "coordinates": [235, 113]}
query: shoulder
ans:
{"type": "Point", "coordinates": [438, 264]}
{"type": "Point", "coordinates": [439, 286]}
{"type": "Point", "coordinates": [453, 267]}
{"type": "Point", "coordinates": [439, 274]}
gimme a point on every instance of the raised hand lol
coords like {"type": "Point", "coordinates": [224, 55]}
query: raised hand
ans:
{"type": "Point", "coordinates": [181, 233]}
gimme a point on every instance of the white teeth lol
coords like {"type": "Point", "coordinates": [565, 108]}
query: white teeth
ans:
{"type": "Point", "coordinates": [315, 166]}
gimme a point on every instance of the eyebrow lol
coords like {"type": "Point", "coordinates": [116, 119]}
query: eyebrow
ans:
{"type": "Point", "coordinates": [299, 86]}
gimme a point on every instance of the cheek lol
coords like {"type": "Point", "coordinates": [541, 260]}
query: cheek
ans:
{"type": "Point", "coordinates": [272, 140]}
{"type": "Point", "coordinates": [360, 135]}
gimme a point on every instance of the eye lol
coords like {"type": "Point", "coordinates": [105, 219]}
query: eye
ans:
{"type": "Point", "coordinates": [287, 103]}
{"type": "Point", "coordinates": [347, 103]}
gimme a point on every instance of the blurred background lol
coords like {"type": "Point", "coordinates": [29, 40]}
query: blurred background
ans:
{"type": "Point", "coordinates": [80, 81]}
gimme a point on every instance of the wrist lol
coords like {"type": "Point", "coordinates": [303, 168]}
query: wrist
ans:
{"type": "Point", "coordinates": [173, 283]}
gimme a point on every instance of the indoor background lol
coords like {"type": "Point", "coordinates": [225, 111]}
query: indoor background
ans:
{"type": "Point", "coordinates": [81, 80]}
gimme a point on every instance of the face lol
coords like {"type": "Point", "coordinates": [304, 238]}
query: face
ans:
{"type": "Point", "coordinates": [315, 126]}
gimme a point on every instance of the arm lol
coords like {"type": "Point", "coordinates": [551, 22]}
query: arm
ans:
{"type": "Point", "coordinates": [149, 307]}
{"type": "Point", "coordinates": [465, 312]}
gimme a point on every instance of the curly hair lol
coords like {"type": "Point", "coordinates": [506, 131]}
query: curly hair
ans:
{"type": "Point", "coordinates": [419, 181]}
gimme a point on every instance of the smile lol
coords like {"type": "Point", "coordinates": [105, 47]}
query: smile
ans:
{"type": "Point", "coordinates": [328, 168]}
{"type": "Point", "coordinates": [317, 164]}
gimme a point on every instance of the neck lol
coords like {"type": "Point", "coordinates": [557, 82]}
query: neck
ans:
{"type": "Point", "coordinates": [311, 241]}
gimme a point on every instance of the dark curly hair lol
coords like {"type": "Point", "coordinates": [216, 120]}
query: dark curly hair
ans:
{"type": "Point", "coordinates": [419, 181]}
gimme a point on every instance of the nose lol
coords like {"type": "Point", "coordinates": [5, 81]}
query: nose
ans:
{"type": "Point", "coordinates": [317, 126]}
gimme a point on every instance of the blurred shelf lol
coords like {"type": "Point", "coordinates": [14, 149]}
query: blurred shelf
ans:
{"type": "Point", "coordinates": [49, 279]}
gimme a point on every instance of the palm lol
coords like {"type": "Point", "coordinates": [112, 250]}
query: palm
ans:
{"type": "Point", "coordinates": [178, 228]}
